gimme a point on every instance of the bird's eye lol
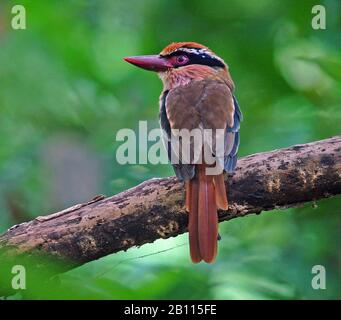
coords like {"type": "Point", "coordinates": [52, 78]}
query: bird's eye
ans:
{"type": "Point", "coordinates": [181, 60]}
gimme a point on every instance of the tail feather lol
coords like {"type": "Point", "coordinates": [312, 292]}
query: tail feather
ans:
{"type": "Point", "coordinates": [192, 200]}
{"type": "Point", "coordinates": [188, 185]}
{"type": "Point", "coordinates": [207, 218]}
{"type": "Point", "coordinates": [221, 197]}
{"type": "Point", "coordinates": [203, 194]}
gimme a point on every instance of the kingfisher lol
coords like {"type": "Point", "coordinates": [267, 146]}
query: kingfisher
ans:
{"type": "Point", "coordinates": [198, 95]}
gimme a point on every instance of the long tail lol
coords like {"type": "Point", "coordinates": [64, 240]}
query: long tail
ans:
{"type": "Point", "coordinates": [204, 193]}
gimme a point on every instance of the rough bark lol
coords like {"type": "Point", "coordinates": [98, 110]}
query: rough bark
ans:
{"type": "Point", "coordinates": [155, 209]}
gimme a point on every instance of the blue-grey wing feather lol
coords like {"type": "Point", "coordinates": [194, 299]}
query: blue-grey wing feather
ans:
{"type": "Point", "coordinates": [232, 139]}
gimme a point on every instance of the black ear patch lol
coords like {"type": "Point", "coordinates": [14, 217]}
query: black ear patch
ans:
{"type": "Point", "coordinates": [198, 56]}
{"type": "Point", "coordinates": [204, 59]}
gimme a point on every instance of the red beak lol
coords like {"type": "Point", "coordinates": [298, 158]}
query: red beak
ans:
{"type": "Point", "coordinates": [152, 63]}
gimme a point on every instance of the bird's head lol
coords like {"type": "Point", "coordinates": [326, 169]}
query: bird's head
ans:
{"type": "Point", "coordinates": [181, 62]}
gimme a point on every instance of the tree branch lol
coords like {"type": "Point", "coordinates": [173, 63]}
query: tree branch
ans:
{"type": "Point", "coordinates": [155, 209]}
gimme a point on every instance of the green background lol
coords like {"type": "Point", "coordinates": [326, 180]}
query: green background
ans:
{"type": "Point", "coordinates": [65, 92]}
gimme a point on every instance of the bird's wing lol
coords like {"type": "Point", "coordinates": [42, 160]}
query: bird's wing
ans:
{"type": "Point", "coordinates": [217, 113]}
{"type": "Point", "coordinates": [171, 117]}
{"type": "Point", "coordinates": [232, 139]}
{"type": "Point", "coordinates": [205, 104]}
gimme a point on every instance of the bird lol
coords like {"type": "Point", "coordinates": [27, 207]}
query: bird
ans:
{"type": "Point", "coordinates": [198, 95]}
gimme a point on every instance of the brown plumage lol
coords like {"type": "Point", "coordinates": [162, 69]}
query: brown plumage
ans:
{"type": "Point", "coordinates": [198, 95]}
{"type": "Point", "coordinates": [207, 103]}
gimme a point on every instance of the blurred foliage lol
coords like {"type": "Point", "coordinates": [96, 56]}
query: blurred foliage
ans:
{"type": "Point", "coordinates": [64, 87]}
